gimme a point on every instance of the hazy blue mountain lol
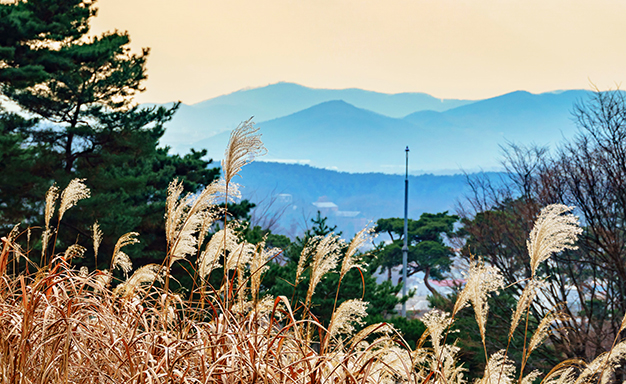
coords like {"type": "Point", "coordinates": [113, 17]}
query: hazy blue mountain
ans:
{"type": "Point", "coordinates": [518, 116]}
{"type": "Point", "coordinates": [338, 135]}
{"type": "Point", "coordinates": [333, 135]}
{"type": "Point", "coordinates": [281, 99]}
{"type": "Point", "coordinates": [359, 197]}
{"type": "Point", "coordinates": [222, 113]}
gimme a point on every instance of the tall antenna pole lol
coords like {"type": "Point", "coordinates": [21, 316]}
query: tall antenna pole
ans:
{"type": "Point", "coordinates": [405, 247]}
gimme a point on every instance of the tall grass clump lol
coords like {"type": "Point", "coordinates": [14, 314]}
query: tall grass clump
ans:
{"type": "Point", "coordinates": [61, 324]}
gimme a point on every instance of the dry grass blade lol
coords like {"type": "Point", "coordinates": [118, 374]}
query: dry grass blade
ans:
{"type": "Point", "coordinates": [526, 298]}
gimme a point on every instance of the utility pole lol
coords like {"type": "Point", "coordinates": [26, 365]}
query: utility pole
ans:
{"type": "Point", "coordinates": [405, 247]}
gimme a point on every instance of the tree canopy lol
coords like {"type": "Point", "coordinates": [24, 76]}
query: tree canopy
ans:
{"type": "Point", "coordinates": [427, 252]}
{"type": "Point", "coordinates": [79, 120]}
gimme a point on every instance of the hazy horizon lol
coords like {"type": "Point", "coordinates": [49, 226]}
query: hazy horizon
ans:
{"type": "Point", "coordinates": [453, 49]}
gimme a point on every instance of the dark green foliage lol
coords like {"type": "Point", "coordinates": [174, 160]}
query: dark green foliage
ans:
{"type": "Point", "coordinates": [427, 251]}
{"type": "Point", "coordinates": [411, 329]}
{"type": "Point", "coordinates": [278, 280]}
{"type": "Point", "coordinates": [22, 181]}
{"type": "Point", "coordinates": [466, 334]}
{"type": "Point", "coordinates": [80, 90]}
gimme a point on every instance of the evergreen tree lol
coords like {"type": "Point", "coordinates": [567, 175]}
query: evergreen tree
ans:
{"type": "Point", "coordinates": [279, 279]}
{"type": "Point", "coordinates": [80, 90]}
{"type": "Point", "coordinates": [427, 251]}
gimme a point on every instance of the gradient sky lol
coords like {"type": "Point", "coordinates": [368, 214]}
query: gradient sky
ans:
{"type": "Point", "coordinates": [447, 48]}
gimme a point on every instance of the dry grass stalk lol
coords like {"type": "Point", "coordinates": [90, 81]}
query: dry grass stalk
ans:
{"type": "Point", "coordinates": [352, 259]}
{"type": "Point", "coordinates": [97, 239]}
{"type": "Point", "coordinates": [481, 281]}
{"type": "Point", "coordinates": [51, 198]}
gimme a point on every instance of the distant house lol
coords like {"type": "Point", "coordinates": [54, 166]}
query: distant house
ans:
{"type": "Point", "coordinates": [348, 214]}
{"type": "Point", "coordinates": [326, 206]}
{"type": "Point", "coordinates": [284, 198]}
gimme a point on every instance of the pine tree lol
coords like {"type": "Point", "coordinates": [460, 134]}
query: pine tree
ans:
{"type": "Point", "coordinates": [80, 90]}
{"type": "Point", "coordinates": [427, 251]}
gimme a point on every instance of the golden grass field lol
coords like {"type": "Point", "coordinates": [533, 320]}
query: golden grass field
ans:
{"type": "Point", "coordinates": [61, 324]}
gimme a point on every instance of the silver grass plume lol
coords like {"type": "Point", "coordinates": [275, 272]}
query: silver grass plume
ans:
{"type": "Point", "coordinates": [74, 251]}
{"type": "Point", "coordinates": [379, 328]}
{"type": "Point", "coordinates": [499, 370]}
{"type": "Point", "coordinates": [437, 322]}
{"type": "Point", "coordinates": [244, 145]}
{"type": "Point", "coordinates": [555, 230]}
{"type": "Point", "coordinates": [543, 330]}
{"type": "Point", "coordinates": [258, 265]}
{"type": "Point", "coordinates": [17, 249]}
{"type": "Point", "coordinates": [120, 259]}
{"type": "Point", "coordinates": [531, 377]}
{"type": "Point", "coordinates": [308, 249]}
{"type": "Point", "coordinates": [208, 218]}
{"type": "Point", "coordinates": [526, 298]}
{"type": "Point", "coordinates": [51, 198]}
{"type": "Point", "coordinates": [186, 217]}
{"type": "Point", "coordinates": [75, 191]}
{"type": "Point", "coordinates": [349, 312]}
{"type": "Point", "coordinates": [325, 259]}
{"type": "Point", "coordinates": [397, 363]}
{"type": "Point", "coordinates": [102, 280]}
{"type": "Point", "coordinates": [174, 190]}
{"type": "Point", "coordinates": [482, 280]}
{"type": "Point", "coordinates": [208, 259]}
{"type": "Point", "coordinates": [240, 255]}
{"type": "Point", "coordinates": [351, 259]}
{"type": "Point", "coordinates": [448, 367]}
{"type": "Point", "coordinates": [146, 274]}
{"type": "Point", "coordinates": [97, 238]}
{"type": "Point", "coordinates": [604, 365]}
{"type": "Point", "coordinates": [15, 231]}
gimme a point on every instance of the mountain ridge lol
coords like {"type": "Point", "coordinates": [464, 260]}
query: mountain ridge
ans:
{"type": "Point", "coordinates": [337, 134]}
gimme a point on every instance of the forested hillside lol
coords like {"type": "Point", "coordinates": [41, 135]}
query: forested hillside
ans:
{"type": "Point", "coordinates": [360, 197]}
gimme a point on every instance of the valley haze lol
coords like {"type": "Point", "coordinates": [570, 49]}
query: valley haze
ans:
{"type": "Point", "coordinates": [342, 151]}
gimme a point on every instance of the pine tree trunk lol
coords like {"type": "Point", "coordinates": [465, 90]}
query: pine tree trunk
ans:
{"type": "Point", "coordinates": [427, 284]}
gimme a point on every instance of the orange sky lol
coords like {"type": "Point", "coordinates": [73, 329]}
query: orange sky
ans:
{"type": "Point", "coordinates": [447, 48]}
